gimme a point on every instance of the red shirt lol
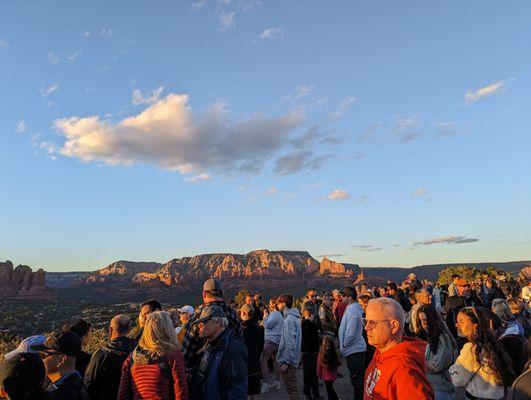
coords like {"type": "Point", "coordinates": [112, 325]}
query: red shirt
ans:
{"type": "Point", "coordinates": [338, 309]}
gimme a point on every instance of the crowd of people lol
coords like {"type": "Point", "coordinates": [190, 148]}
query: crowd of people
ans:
{"type": "Point", "coordinates": [407, 340]}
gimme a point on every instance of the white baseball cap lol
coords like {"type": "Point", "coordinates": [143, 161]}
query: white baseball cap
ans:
{"type": "Point", "coordinates": [186, 309]}
{"type": "Point", "coordinates": [24, 346]}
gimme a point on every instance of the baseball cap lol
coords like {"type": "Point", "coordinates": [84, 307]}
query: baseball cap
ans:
{"type": "Point", "coordinates": [23, 370]}
{"type": "Point", "coordinates": [211, 285]}
{"type": "Point", "coordinates": [24, 346]}
{"type": "Point", "coordinates": [210, 312]}
{"type": "Point", "coordinates": [186, 309]}
{"type": "Point", "coordinates": [65, 342]}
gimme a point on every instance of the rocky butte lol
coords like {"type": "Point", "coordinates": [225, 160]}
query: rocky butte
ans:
{"type": "Point", "coordinates": [22, 283]}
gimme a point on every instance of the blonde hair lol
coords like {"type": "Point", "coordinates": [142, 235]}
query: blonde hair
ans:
{"type": "Point", "coordinates": [159, 336]}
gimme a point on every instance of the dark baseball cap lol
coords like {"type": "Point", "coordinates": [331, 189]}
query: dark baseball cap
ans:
{"type": "Point", "coordinates": [210, 312]}
{"type": "Point", "coordinates": [65, 342]}
{"type": "Point", "coordinates": [211, 285]}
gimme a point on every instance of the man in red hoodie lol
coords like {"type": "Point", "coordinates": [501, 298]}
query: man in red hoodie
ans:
{"type": "Point", "coordinates": [398, 368]}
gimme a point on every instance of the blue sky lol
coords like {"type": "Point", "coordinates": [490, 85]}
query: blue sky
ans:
{"type": "Point", "coordinates": [380, 133]}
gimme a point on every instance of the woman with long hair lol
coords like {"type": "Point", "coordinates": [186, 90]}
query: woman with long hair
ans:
{"type": "Point", "coordinates": [483, 367]}
{"type": "Point", "coordinates": [441, 351]}
{"type": "Point", "coordinates": [155, 369]}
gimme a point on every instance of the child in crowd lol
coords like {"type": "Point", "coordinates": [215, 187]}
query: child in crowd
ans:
{"type": "Point", "coordinates": [328, 363]}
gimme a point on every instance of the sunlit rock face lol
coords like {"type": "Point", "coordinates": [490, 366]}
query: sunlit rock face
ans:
{"type": "Point", "coordinates": [21, 282]}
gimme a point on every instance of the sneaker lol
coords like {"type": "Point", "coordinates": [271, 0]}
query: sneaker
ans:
{"type": "Point", "coordinates": [266, 387]}
{"type": "Point", "coordinates": [277, 385]}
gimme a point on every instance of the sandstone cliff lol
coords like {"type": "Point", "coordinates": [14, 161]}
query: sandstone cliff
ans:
{"type": "Point", "coordinates": [22, 283]}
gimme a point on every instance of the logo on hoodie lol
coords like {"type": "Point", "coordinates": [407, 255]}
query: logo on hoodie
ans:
{"type": "Point", "coordinates": [372, 380]}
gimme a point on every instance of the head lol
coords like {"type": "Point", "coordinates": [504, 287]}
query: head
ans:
{"type": "Point", "coordinates": [516, 306]}
{"type": "Point", "coordinates": [146, 308]}
{"type": "Point", "coordinates": [463, 287]}
{"type": "Point", "coordinates": [328, 354]}
{"type": "Point", "coordinates": [430, 326]}
{"type": "Point", "coordinates": [212, 290]}
{"type": "Point", "coordinates": [412, 277]}
{"type": "Point", "coordinates": [185, 313]}
{"type": "Point", "coordinates": [284, 301]}
{"type": "Point", "coordinates": [383, 292]}
{"type": "Point", "coordinates": [249, 299]}
{"type": "Point", "coordinates": [363, 287]}
{"type": "Point", "coordinates": [59, 353]}
{"type": "Point", "coordinates": [328, 299]}
{"type": "Point", "coordinates": [467, 323]}
{"type": "Point", "coordinates": [392, 288]}
{"type": "Point", "coordinates": [350, 295]}
{"type": "Point", "coordinates": [83, 329]}
{"type": "Point", "coordinates": [273, 304]}
{"type": "Point", "coordinates": [246, 312]}
{"type": "Point", "coordinates": [454, 278]}
{"type": "Point", "coordinates": [423, 296]}
{"type": "Point", "coordinates": [257, 299]}
{"type": "Point", "coordinates": [119, 326]}
{"type": "Point", "coordinates": [491, 283]}
{"type": "Point", "coordinates": [384, 323]}
{"type": "Point", "coordinates": [363, 299]}
{"type": "Point", "coordinates": [211, 323]}
{"type": "Point", "coordinates": [502, 310]}
{"type": "Point", "coordinates": [307, 312]}
{"type": "Point", "coordinates": [22, 377]}
{"type": "Point", "coordinates": [337, 295]}
{"type": "Point", "coordinates": [311, 295]}
{"type": "Point", "coordinates": [159, 336]}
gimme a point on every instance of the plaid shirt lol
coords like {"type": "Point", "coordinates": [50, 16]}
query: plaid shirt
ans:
{"type": "Point", "coordinates": [192, 343]}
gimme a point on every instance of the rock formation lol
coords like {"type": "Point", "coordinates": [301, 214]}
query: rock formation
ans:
{"type": "Point", "coordinates": [22, 283]}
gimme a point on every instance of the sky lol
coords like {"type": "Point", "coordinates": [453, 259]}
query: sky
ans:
{"type": "Point", "coordinates": [381, 133]}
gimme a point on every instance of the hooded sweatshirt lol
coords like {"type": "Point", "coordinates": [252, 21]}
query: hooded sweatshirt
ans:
{"type": "Point", "coordinates": [398, 373]}
{"type": "Point", "coordinates": [273, 327]}
{"type": "Point", "coordinates": [289, 348]}
{"type": "Point", "coordinates": [351, 331]}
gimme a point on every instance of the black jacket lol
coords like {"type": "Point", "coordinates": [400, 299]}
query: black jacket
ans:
{"type": "Point", "coordinates": [310, 337]}
{"type": "Point", "coordinates": [102, 377]}
{"type": "Point", "coordinates": [71, 388]}
{"type": "Point", "coordinates": [454, 304]}
{"type": "Point", "coordinates": [253, 337]}
{"type": "Point", "coordinates": [82, 362]}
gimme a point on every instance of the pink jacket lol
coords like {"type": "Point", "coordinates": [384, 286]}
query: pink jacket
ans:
{"type": "Point", "coordinates": [324, 373]}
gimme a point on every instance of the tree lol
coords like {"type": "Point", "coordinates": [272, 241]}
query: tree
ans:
{"type": "Point", "coordinates": [445, 276]}
{"type": "Point", "coordinates": [240, 297]}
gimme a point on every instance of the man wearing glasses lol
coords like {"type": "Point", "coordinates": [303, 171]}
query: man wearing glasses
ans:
{"type": "Point", "coordinates": [59, 354]}
{"type": "Point", "coordinates": [465, 297]}
{"type": "Point", "coordinates": [398, 368]}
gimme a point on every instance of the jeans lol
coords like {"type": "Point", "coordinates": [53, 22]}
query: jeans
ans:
{"type": "Point", "coordinates": [309, 373]}
{"type": "Point", "coordinates": [290, 381]}
{"type": "Point", "coordinates": [356, 367]}
{"type": "Point", "coordinates": [444, 395]}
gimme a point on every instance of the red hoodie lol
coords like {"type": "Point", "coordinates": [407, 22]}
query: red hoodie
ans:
{"type": "Point", "coordinates": [399, 373]}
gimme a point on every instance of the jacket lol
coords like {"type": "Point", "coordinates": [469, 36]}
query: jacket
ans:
{"type": "Point", "coordinates": [521, 387]}
{"type": "Point", "coordinates": [326, 374]}
{"type": "Point", "coordinates": [273, 323]}
{"type": "Point", "coordinates": [351, 331]}
{"type": "Point", "coordinates": [69, 387]}
{"type": "Point", "coordinates": [328, 321]}
{"type": "Point", "coordinates": [102, 377]}
{"type": "Point", "coordinates": [441, 361]}
{"type": "Point", "coordinates": [468, 373]}
{"type": "Point", "coordinates": [253, 337]}
{"type": "Point", "coordinates": [222, 371]}
{"type": "Point", "coordinates": [398, 373]}
{"type": "Point", "coordinates": [145, 376]}
{"type": "Point", "coordinates": [452, 307]}
{"type": "Point", "coordinates": [82, 362]}
{"type": "Point", "coordinates": [192, 343]}
{"type": "Point", "coordinates": [310, 336]}
{"type": "Point", "coordinates": [339, 309]}
{"type": "Point", "coordinates": [289, 348]}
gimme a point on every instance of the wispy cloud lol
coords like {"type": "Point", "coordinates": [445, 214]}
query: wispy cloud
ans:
{"type": "Point", "coordinates": [446, 240]}
{"type": "Point", "coordinates": [331, 255]}
{"type": "Point", "coordinates": [226, 20]}
{"type": "Point", "coordinates": [366, 247]}
{"type": "Point", "coordinates": [197, 178]}
{"type": "Point", "coordinates": [197, 5]}
{"type": "Point", "coordinates": [343, 106]}
{"type": "Point", "coordinates": [139, 99]}
{"type": "Point", "coordinates": [297, 161]}
{"type": "Point", "coordinates": [54, 87]}
{"type": "Point", "coordinates": [72, 57]}
{"type": "Point", "coordinates": [315, 185]}
{"type": "Point", "coordinates": [407, 129]}
{"type": "Point", "coordinates": [300, 92]}
{"type": "Point", "coordinates": [446, 129]}
{"type": "Point", "coordinates": [472, 96]}
{"type": "Point", "coordinates": [87, 33]}
{"type": "Point", "coordinates": [242, 188]}
{"type": "Point", "coordinates": [420, 192]}
{"type": "Point", "coordinates": [169, 135]}
{"type": "Point", "coordinates": [4, 44]}
{"type": "Point", "coordinates": [338, 194]}
{"type": "Point", "coordinates": [271, 33]}
{"type": "Point", "coordinates": [53, 58]}
{"type": "Point", "coordinates": [21, 126]}
{"type": "Point", "coordinates": [106, 32]}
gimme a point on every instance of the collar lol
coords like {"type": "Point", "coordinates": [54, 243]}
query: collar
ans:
{"type": "Point", "coordinates": [55, 385]}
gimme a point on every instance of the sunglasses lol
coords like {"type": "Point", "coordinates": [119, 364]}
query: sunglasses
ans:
{"type": "Point", "coordinates": [45, 354]}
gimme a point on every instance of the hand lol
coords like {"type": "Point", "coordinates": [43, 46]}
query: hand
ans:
{"type": "Point", "coordinates": [284, 368]}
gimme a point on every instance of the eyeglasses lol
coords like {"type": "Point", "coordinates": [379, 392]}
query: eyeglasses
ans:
{"type": "Point", "coordinates": [45, 354]}
{"type": "Point", "coordinates": [467, 285]}
{"type": "Point", "coordinates": [372, 323]}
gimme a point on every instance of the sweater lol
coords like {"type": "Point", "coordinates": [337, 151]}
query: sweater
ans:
{"type": "Point", "coordinates": [477, 379]}
{"type": "Point", "coordinates": [289, 348]}
{"type": "Point", "coordinates": [351, 331]}
{"type": "Point", "coordinates": [273, 323]}
{"type": "Point", "coordinates": [146, 380]}
{"type": "Point", "coordinates": [441, 361]}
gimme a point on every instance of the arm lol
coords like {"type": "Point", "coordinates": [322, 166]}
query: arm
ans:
{"type": "Point", "coordinates": [90, 373]}
{"type": "Point", "coordinates": [233, 372]}
{"type": "Point", "coordinates": [289, 339]}
{"type": "Point", "coordinates": [125, 390]}
{"type": "Point", "coordinates": [191, 344]}
{"type": "Point", "coordinates": [410, 383]}
{"type": "Point", "coordinates": [351, 324]}
{"type": "Point", "coordinates": [180, 386]}
{"type": "Point", "coordinates": [464, 368]}
{"type": "Point", "coordinates": [438, 362]}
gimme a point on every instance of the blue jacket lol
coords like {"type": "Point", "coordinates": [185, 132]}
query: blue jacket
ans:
{"type": "Point", "coordinates": [289, 348]}
{"type": "Point", "coordinates": [222, 372]}
{"type": "Point", "coordinates": [351, 331]}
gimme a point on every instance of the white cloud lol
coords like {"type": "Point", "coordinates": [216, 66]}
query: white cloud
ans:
{"type": "Point", "coordinates": [315, 185]}
{"type": "Point", "coordinates": [289, 196]}
{"type": "Point", "coordinates": [344, 106]}
{"type": "Point", "coordinates": [197, 178]}
{"type": "Point", "coordinates": [242, 188]}
{"type": "Point", "coordinates": [447, 240]}
{"type": "Point", "coordinates": [472, 96]}
{"type": "Point", "coordinates": [421, 192]}
{"type": "Point", "coordinates": [407, 129]}
{"type": "Point", "coordinates": [226, 20]}
{"type": "Point", "coordinates": [169, 135]}
{"type": "Point", "coordinates": [106, 32]}
{"type": "Point", "coordinates": [54, 87]}
{"type": "Point", "coordinates": [338, 194]}
{"type": "Point", "coordinates": [4, 44]}
{"type": "Point", "coordinates": [72, 57]}
{"type": "Point", "coordinates": [197, 5]}
{"type": "Point", "coordinates": [139, 99]}
{"type": "Point", "coordinates": [21, 126]}
{"type": "Point", "coordinates": [300, 92]}
{"type": "Point", "coordinates": [297, 161]}
{"type": "Point", "coordinates": [366, 247]}
{"type": "Point", "coordinates": [86, 33]}
{"type": "Point", "coordinates": [446, 129]}
{"type": "Point", "coordinates": [53, 58]}
{"type": "Point", "coordinates": [272, 33]}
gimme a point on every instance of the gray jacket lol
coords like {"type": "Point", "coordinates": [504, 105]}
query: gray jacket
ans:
{"type": "Point", "coordinates": [446, 355]}
{"type": "Point", "coordinates": [289, 348]}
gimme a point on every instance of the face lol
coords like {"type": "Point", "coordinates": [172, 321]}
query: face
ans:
{"type": "Point", "coordinates": [463, 290]}
{"type": "Point", "coordinates": [85, 339]}
{"type": "Point", "coordinates": [380, 329]}
{"type": "Point", "coordinates": [363, 302]}
{"type": "Point", "coordinates": [327, 301]}
{"type": "Point", "coordinates": [244, 315]}
{"type": "Point", "coordinates": [257, 299]}
{"type": "Point", "coordinates": [281, 306]}
{"type": "Point", "coordinates": [249, 300]}
{"type": "Point", "coordinates": [52, 361]}
{"type": "Point", "coordinates": [184, 317]}
{"type": "Point", "coordinates": [144, 313]}
{"type": "Point", "coordinates": [465, 326]}
{"type": "Point", "coordinates": [272, 305]}
{"type": "Point", "coordinates": [423, 321]}
{"type": "Point", "coordinates": [206, 329]}
{"type": "Point", "coordinates": [307, 314]}
{"type": "Point", "coordinates": [312, 295]}
{"type": "Point", "coordinates": [424, 297]}
{"type": "Point", "coordinates": [383, 292]}
{"type": "Point", "coordinates": [488, 284]}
